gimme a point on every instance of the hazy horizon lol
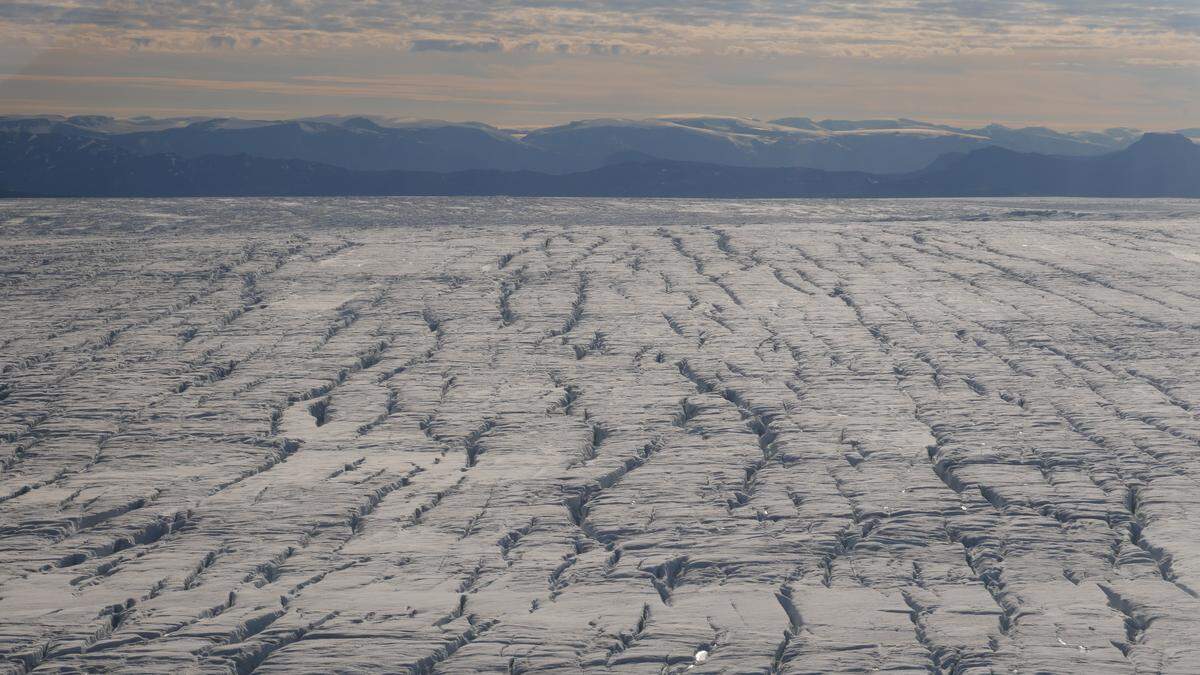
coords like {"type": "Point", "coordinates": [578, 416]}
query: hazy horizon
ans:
{"type": "Point", "coordinates": [283, 116]}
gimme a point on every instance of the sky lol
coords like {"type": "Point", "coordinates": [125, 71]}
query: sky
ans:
{"type": "Point", "coordinates": [1076, 64]}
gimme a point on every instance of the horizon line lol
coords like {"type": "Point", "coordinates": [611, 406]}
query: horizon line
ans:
{"type": "Point", "coordinates": [960, 124]}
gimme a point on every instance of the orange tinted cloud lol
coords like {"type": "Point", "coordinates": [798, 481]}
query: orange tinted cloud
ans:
{"type": "Point", "coordinates": [1078, 62]}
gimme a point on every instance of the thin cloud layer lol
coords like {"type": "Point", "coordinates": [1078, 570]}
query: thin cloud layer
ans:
{"type": "Point", "coordinates": [1077, 63]}
{"type": "Point", "coordinates": [891, 28]}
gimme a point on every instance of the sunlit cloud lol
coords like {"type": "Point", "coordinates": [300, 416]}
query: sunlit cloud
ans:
{"type": "Point", "coordinates": [221, 41]}
{"type": "Point", "coordinates": [1088, 62]}
{"type": "Point", "coordinates": [441, 45]}
{"type": "Point", "coordinates": [887, 28]}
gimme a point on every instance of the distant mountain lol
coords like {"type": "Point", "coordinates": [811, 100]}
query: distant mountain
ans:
{"type": "Point", "coordinates": [373, 143]}
{"type": "Point", "coordinates": [40, 164]}
{"type": "Point", "coordinates": [1157, 165]}
{"type": "Point", "coordinates": [353, 143]}
{"type": "Point", "coordinates": [878, 146]}
{"type": "Point", "coordinates": [50, 165]}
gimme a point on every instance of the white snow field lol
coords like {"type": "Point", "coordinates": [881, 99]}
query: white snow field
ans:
{"type": "Point", "coordinates": [513, 436]}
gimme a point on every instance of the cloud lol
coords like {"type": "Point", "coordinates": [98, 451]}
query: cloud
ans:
{"type": "Point", "coordinates": [439, 45]}
{"type": "Point", "coordinates": [946, 59]}
{"type": "Point", "coordinates": [904, 28]}
{"type": "Point", "coordinates": [1185, 23]}
{"type": "Point", "coordinates": [435, 89]}
{"type": "Point", "coordinates": [221, 41]}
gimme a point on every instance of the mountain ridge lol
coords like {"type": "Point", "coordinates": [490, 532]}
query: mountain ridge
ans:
{"type": "Point", "coordinates": [376, 143]}
{"type": "Point", "coordinates": [1157, 165]}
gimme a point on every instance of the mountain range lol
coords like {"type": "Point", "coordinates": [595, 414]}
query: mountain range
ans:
{"type": "Point", "coordinates": [684, 157]}
{"type": "Point", "coordinates": [379, 144]}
